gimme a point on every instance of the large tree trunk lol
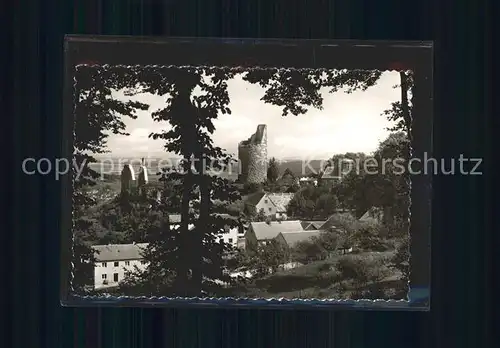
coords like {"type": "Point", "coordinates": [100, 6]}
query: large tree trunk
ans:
{"type": "Point", "coordinates": [197, 255]}
{"type": "Point", "coordinates": [183, 267]}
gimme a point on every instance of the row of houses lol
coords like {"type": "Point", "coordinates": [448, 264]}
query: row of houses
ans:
{"type": "Point", "coordinates": [112, 261]}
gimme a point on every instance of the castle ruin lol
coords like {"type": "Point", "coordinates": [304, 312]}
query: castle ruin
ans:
{"type": "Point", "coordinates": [252, 155]}
{"type": "Point", "coordinates": [128, 176]}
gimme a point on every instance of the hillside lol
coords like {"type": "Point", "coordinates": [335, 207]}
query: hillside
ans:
{"type": "Point", "coordinates": [321, 279]}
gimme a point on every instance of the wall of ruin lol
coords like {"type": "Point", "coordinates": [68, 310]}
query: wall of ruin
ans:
{"type": "Point", "coordinates": [252, 155]}
{"type": "Point", "coordinates": [257, 163]}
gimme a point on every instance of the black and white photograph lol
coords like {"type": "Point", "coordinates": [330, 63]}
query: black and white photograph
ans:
{"type": "Point", "coordinates": [244, 183]}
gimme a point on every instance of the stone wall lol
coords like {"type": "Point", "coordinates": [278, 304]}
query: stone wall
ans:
{"type": "Point", "coordinates": [252, 154]}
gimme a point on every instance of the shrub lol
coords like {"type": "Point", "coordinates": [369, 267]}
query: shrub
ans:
{"type": "Point", "coordinates": [361, 270]}
{"type": "Point", "coordinates": [368, 238]}
{"type": "Point", "coordinates": [400, 260]}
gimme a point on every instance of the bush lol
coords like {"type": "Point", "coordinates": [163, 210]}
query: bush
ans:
{"type": "Point", "coordinates": [361, 270]}
{"type": "Point", "coordinates": [368, 238]}
{"type": "Point", "coordinates": [400, 261]}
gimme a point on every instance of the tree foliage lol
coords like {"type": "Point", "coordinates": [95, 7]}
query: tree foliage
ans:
{"type": "Point", "coordinates": [268, 258]}
{"type": "Point", "coordinates": [382, 182]}
{"type": "Point", "coordinates": [96, 115]}
{"type": "Point", "coordinates": [190, 116]}
{"type": "Point", "coordinates": [191, 119]}
{"type": "Point", "coordinates": [312, 202]}
{"type": "Point", "coordinates": [273, 171]}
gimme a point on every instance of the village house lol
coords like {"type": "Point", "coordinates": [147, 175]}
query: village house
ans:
{"type": "Point", "coordinates": [312, 225]}
{"type": "Point", "coordinates": [113, 260]}
{"type": "Point", "coordinates": [306, 180]}
{"type": "Point", "coordinates": [230, 236]}
{"type": "Point", "coordinates": [290, 239]}
{"type": "Point", "coordinates": [273, 205]}
{"type": "Point", "coordinates": [260, 233]}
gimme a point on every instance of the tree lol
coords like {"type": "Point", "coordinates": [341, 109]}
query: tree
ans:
{"type": "Point", "coordinates": [288, 174]}
{"type": "Point", "coordinates": [83, 255]}
{"type": "Point", "coordinates": [97, 114]}
{"type": "Point", "coordinates": [307, 251]}
{"type": "Point", "coordinates": [312, 202]}
{"type": "Point", "coordinates": [260, 216]}
{"type": "Point", "coordinates": [294, 90]}
{"type": "Point", "coordinates": [159, 277]}
{"type": "Point", "coordinates": [273, 171]}
{"type": "Point", "coordinates": [191, 119]}
{"type": "Point", "coordinates": [401, 262]}
{"type": "Point", "coordinates": [269, 258]}
{"type": "Point", "coordinates": [384, 184]}
{"type": "Point", "coordinates": [328, 241]}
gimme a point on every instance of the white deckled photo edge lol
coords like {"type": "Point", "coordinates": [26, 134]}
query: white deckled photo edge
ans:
{"type": "Point", "coordinates": [200, 182]}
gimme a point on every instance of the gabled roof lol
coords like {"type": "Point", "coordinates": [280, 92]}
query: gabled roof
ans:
{"type": "Point", "coordinates": [292, 238]}
{"type": "Point", "coordinates": [265, 230]}
{"type": "Point", "coordinates": [254, 198]}
{"type": "Point", "coordinates": [119, 252]}
{"type": "Point", "coordinates": [305, 224]}
{"type": "Point", "coordinates": [280, 200]}
{"type": "Point", "coordinates": [313, 225]}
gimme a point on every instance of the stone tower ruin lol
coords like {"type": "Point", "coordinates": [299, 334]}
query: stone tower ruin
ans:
{"type": "Point", "coordinates": [252, 155]}
{"type": "Point", "coordinates": [127, 176]}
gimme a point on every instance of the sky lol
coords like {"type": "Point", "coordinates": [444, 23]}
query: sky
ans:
{"type": "Point", "coordinates": [347, 123]}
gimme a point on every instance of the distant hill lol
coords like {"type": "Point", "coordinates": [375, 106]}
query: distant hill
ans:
{"type": "Point", "coordinates": [300, 168]}
{"type": "Point", "coordinates": [114, 166]}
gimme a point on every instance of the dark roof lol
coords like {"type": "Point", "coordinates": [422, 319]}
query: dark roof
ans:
{"type": "Point", "coordinates": [292, 238]}
{"type": "Point", "coordinates": [118, 252]}
{"type": "Point", "coordinates": [313, 225]}
{"type": "Point", "coordinates": [305, 224]}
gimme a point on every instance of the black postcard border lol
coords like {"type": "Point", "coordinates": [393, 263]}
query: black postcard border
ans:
{"type": "Point", "coordinates": [282, 53]}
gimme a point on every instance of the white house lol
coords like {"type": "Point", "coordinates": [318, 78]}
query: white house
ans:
{"type": "Point", "coordinates": [273, 204]}
{"type": "Point", "coordinates": [230, 236]}
{"type": "Point", "coordinates": [175, 221]}
{"type": "Point", "coordinates": [113, 260]}
{"type": "Point", "coordinates": [305, 180]}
